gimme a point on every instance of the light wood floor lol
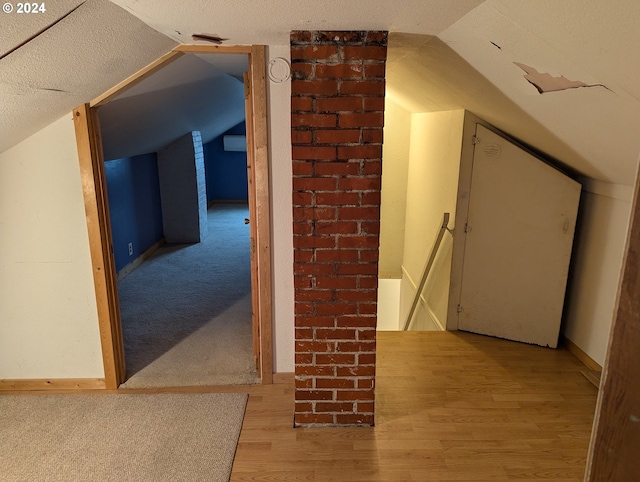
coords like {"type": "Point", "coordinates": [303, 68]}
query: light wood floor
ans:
{"type": "Point", "coordinates": [449, 407]}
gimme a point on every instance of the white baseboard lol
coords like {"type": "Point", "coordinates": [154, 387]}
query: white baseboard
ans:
{"type": "Point", "coordinates": [423, 301]}
{"type": "Point", "coordinates": [432, 315]}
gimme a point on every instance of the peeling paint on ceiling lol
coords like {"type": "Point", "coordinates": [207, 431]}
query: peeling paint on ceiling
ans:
{"type": "Point", "coordinates": [595, 44]}
{"type": "Point", "coordinates": [548, 83]}
{"type": "Point", "coordinates": [593, 130]}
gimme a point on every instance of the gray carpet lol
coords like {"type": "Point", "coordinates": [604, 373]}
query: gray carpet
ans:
{"type": "Point", "coordinates": [186, 312]}
{"type": "Point", "coordinates": [119, 437]}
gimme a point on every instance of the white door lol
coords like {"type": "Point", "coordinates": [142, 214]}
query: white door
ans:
{"type": "Point", "coordinates": [518, 239]}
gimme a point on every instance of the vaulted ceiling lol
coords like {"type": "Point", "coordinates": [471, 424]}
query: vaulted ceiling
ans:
{"type": "Point", "coordinates": [190, 94]}
{"type": "Point", "coordinates": [469, 54]}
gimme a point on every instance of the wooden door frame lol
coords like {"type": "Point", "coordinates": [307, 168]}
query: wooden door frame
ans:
{"type": "Point", "coordinates": [615, 438]}
{"type": "Point", "coordinates": [99, 226]}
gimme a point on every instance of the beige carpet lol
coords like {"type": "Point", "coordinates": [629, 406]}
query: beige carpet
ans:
{"type": "Point", "coordinates": [119, 437]}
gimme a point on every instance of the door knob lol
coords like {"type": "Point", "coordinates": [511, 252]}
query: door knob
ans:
{"type": "Point", "coordinates": [246, 220]}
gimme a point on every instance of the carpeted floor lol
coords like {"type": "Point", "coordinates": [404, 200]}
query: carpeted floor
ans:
{"type": "Point", "coordinates": [120, 437]}
{"type": "Point", "coordinates": [186, 312]}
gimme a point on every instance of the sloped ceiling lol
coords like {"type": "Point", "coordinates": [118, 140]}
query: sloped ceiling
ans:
{"type": "Point", "coordinates": [189, 94]}
{"type": "Point", "coordinates": [18, 29]}
{"type": "Point", "coordinates": [597, 43]}
{"type": "Point", "coordinates": [424, 74]}
{"type": "Point", "coordinates": [592, 129]}
{"type": "Point", "coordinates": [246, 22]}
{"type": "Point", "coordinates": [72, 62]}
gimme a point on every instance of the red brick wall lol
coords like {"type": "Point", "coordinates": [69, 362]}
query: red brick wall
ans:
{"type": "Point", "coordinates": [337, 117]}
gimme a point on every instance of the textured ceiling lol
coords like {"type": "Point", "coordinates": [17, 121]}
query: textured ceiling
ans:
{"type": "Point", "coordinates": [18, 28]}
{"type": "Point", "coordinates": [592, 129]}
{"type": "Point", "coordinates": [426, 75]}
{"type": "Point", "coordinates": [603, 37]}
{"type": "Point", "coordinates": [246, 22]}
{"type": "Point", "coordinates": [598, 45]}
{"type": "Point", "coordinates": [79, 58]}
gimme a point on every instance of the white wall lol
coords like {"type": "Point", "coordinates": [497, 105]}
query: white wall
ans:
{"type": "Point", "coordinates": [395, 165]}
{"type": "Point", "coordinates": [48, 320]}
{"type": "Point", "coordinates": [598, 255]}
{"type": "Point", "coordinates": [48, 315]}
{"type": "Point", "coordinates": [279, 98]}
{"type": "Point", "coordinates": [432, 186]}
{"type": "Point", "coordinates": [389, 304]}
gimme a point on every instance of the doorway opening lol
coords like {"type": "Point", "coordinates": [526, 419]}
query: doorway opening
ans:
{"type": "Point", "coordinates": [488, 233]}
{"type": "Point", "coordinates": [256, 211]}
{"type": "Point", "coordinates": [433, 168]}
{"type": "Point", "coordinates": [418, 194]}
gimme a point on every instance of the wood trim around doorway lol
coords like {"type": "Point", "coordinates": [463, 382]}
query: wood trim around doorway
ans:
{"type": "Point", "coordinates": [615, 439]}
{"type": "Point", "coordinates": [99, 226]}
{"type": "Point", "coordinates": [262, 233]}
{"type": "Point", "coordinates": [99, 229]}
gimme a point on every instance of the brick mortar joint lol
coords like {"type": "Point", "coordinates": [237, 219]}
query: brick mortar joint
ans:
{"type": "Point", "coordinates": [337, 43]}
{"type": "Point", "coordinates": [334, 61]}
{"type": "Point", "coordinates": [338, 81]}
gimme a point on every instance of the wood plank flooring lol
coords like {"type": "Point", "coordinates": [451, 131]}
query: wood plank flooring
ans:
{"type": "Point", "coordinates": [449, 407]}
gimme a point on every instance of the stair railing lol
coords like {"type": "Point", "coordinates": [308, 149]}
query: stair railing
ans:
{"type": "Point", "coordinates": [427, 268]}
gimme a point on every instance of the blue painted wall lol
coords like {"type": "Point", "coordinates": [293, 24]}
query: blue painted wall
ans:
{"type": "Point", "coordinates": [134, 203]}
{"type": "Point", "coordinates": [226, 172]}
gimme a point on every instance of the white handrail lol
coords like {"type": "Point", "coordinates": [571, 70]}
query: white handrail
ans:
{"type": "Point", "coordinates": [427, 268]}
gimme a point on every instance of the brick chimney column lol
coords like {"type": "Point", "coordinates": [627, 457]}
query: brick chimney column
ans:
{"type": "Point", "coordinates": [338, 86]}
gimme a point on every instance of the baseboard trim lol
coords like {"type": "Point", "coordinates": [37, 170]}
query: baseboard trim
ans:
{"type": "Point", "coordinates": [592, 376]}
{"type": "Point", "coordinates": [227, 201]}
{"type": "Point", "coordinates": [139, 260]}
{"type": "Point", "coordinates": [432, 315]}
{"type": "Point", "coordinates": [284, 377]}
{"type": "Point", "coordinates": [615, 191]}
{"type": "Point", "coordinates": [53, 384]}
{"type": "Point", "coordinates": [576, 351]}
{"type": "Point", "coordinates": [425, 303]}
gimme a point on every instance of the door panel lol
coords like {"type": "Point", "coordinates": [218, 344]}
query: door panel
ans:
{"type": "Point", "coordinates": [518, 243]}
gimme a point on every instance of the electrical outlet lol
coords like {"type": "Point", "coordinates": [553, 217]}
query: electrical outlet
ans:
{"type": "Point", "coordinates": [130, 249]}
